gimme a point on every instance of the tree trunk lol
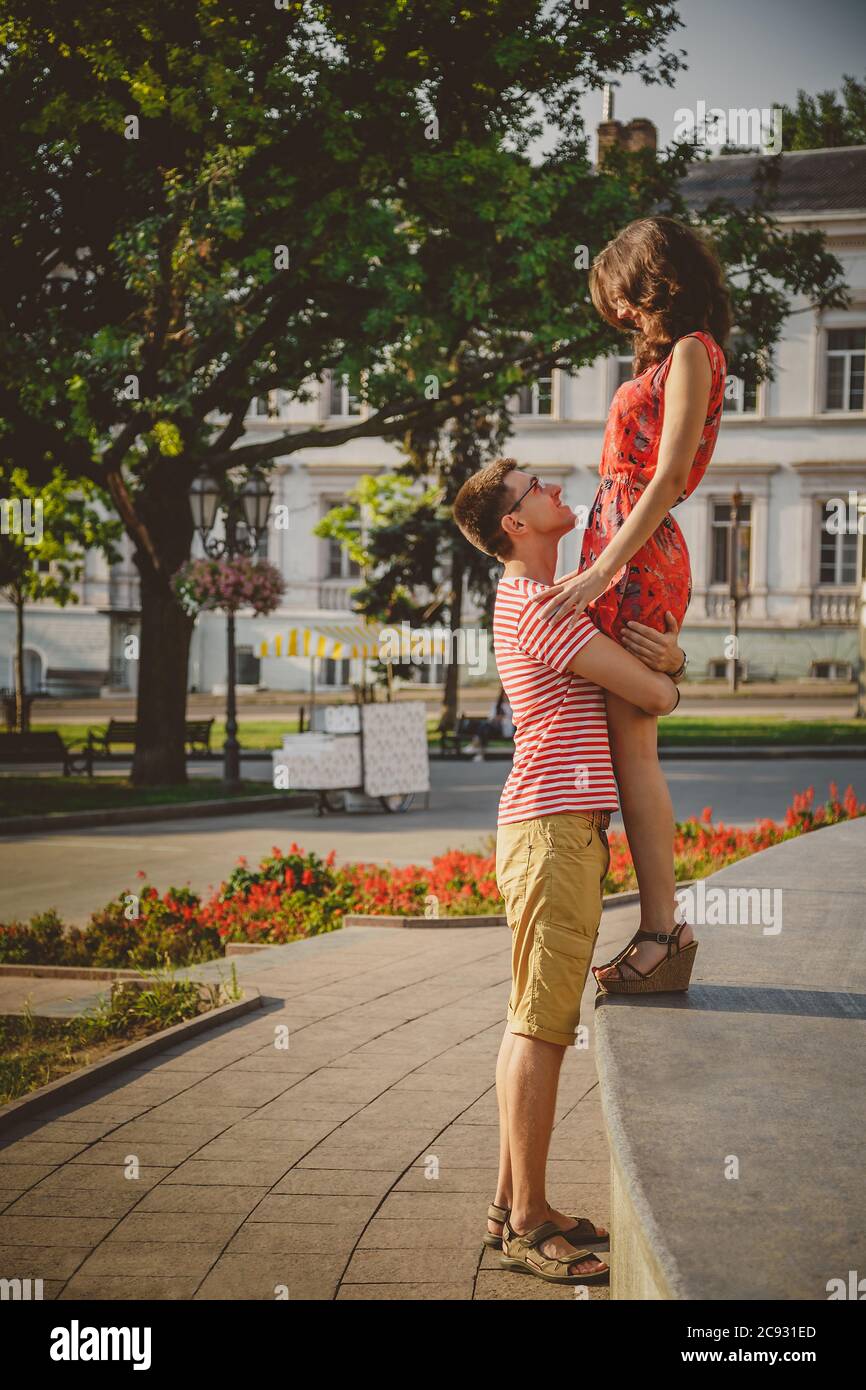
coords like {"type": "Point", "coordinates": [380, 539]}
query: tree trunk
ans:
{"type": "Point", "coordinates": [451, 690]}
{"type": "Point", "coordinates": [22, 709]}
{"type": "Point", "coordinates": [166, 631]}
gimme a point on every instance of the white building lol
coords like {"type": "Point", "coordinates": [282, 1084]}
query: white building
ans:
{"type": "Point", "coordinates": [795, 448]}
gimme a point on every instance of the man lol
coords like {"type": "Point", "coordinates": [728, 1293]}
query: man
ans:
{"type": "Point", "coordinates": [551, 847]}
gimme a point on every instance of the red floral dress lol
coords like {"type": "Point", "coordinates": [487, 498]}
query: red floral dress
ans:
{"type": "Point", "coordinates": [658, 576]}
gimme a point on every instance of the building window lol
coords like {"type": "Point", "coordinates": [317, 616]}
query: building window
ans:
{"type": "Point", "coordinates": [832, 671]}
{"type": "Point", "coordinates": [431, 673]}
{"type": "Point", "coordinates": [344, 397]}
{"type": "Point", "coordinates": [846, 358]}
{"type": "Point", "coordinates": [335, 672]}
{"type": "Point", "coordinates": [338, 562]}
{"type": "Point", "coordinates": [719, 668]}
{"type": "Point", "coordinates": [623, 370]}
{"type": "Point", "coordinates": [266, 406]}
{"type": "Point", "coordinates": [247, 666]}
{"type": "Point", "coordinates": [720, 572]}
{"type": "Point", "coordinates": [837, 561]}
{"type": "Point", "coordinates": [536, 399]}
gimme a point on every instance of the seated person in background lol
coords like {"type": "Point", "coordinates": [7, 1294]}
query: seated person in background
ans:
{"type": "Point", "coordinates": [499, 724]}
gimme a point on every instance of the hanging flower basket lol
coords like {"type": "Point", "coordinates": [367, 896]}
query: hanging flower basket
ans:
{"type": "Point", "coordinates": [229, 585]}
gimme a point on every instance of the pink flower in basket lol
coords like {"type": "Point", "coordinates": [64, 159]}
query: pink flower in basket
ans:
{"type": "Point", "coordinates": [230, 584]}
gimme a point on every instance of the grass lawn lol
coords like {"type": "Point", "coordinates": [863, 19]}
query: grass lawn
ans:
{"type": "Point", "coordinates": [253, 733]}
{"type": "Point", "coordinates": [35, 1050]}
{"type": "Point", "coordinates": [39, 796]}
{"type": "Point", "coordinates": [44, 1049]}
{"type": "Point", "coordinates": [751, 730]}
{"type": "Point", "coordinates": [760, 730]}
{"type": "Point", "coordinates": [755, 730]}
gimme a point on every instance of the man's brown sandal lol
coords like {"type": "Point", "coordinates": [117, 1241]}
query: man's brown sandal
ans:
{"type": "Point", "coordinates": [583, 1229]}
{"type": "Point", "coordinates": [518, 1250]}
{"type": "Point", "coordinates": [671, 973]}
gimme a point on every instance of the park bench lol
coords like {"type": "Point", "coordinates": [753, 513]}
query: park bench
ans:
{"type": "Point", "coordinates": [46, 746]}
{"type": "Point", "coordinates": [125, 731]}
{"type": "Point", "coordinates": [451, 737]}
{"type": "Point", "coordinates": [451, 740]}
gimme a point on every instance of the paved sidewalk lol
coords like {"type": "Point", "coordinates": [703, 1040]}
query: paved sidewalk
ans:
{"type": "Point", "coordinates": [356, 1164]}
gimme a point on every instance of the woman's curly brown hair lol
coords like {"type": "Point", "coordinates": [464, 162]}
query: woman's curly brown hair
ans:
{"type": "Point", "coordinates": [671, 273]}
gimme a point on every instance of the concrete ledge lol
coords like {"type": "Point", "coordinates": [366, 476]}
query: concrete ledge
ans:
{"type": "Point", "coordinates": [65, 1086]}
{"type": "Point", "coordinates": [141, 815]}
{"type": "Point", "coordinates": [734, 1111]}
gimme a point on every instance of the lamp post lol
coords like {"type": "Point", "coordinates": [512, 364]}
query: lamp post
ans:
{"type": "Point", "coordinates": [734, 583]}
{"type": "Point", "coordinates": [246, 517]}
{"type": "Point", "coordinates": [860, 609]}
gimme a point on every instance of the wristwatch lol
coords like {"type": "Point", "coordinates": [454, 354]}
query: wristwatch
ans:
{"type": "Point", "coordinates": [681, 671]}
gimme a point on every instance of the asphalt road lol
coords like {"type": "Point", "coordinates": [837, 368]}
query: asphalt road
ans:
{"type": "Point", "coordinates": [78, 871]}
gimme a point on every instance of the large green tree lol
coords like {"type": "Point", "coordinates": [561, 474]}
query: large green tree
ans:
{"type": "Point", "coordinates": [827, 120]}
{"type": "Point", "coordinates": [211, 198]}
{"type": "Point", "coordinates": [46, 532]}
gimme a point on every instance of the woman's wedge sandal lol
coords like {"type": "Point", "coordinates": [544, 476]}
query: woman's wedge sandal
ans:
{"type": "Point", "coordinates": [671, 973]}
{"type": "Point", "coordinates": [608, 965]}
{"type": "Point", "coordinates": [518, 1256]}
{"type": "Point", "coordinates": [583, 1229]}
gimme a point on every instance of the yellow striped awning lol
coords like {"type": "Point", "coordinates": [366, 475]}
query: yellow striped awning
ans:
{"type": "Point", "coordinates": [363, 639]}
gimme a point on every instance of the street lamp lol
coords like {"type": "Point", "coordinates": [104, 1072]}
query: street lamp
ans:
{"type": "Point", "coordinates": [734, 583]}
{"type": "Point", "coordinates": [246, 517]}
{"type": "Point", "coordinates": [860, 609]}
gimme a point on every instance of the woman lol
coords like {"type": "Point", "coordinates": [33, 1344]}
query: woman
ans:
{"type": "Point", "coordinates": [660, 280]}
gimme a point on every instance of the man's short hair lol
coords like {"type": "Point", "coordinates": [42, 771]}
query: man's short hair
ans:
{"type": "Point", "coordinates": [480, 506]}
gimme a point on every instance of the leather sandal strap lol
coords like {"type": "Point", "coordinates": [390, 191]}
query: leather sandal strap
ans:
{"type": "Point", "coordinates": [663, 938]}
{"type": "Point", "coordinates": [538, 1235]}
{"type": "Point", "coordinates": [495, 1213]}
{"type": "Point", "coordinates": [549, 1264]}
{"type": "Point", "coordinates": [582, 1228]}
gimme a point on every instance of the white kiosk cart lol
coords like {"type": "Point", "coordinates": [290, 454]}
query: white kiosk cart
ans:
{"type": "Point", "coordinates": [367, 756]}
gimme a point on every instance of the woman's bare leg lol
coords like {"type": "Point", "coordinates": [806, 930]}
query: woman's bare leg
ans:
{"type": "Point", "coordinates": [649, 823]}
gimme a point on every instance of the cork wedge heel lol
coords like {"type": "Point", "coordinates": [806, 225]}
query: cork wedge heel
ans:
{"type": "Point", "coordinates": [671, 974]}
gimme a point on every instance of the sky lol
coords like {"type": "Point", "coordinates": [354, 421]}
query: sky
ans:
{"type": "Point", "coordinates": [747, 53]}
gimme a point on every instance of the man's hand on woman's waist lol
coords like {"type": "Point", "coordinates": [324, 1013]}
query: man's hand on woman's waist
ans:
{"type": "Point", "coordinates": [658, 650]}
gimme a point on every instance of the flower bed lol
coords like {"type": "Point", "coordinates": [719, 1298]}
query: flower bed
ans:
{"type": "Point", "coordinates": [293, 895]}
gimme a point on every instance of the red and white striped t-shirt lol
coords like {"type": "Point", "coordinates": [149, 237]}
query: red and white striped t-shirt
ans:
{"type": "Point", "coordinates": [561, 750]}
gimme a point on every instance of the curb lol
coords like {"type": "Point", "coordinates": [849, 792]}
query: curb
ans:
{"type": "Point", "coordinates": [69, 972]}
{"type": "Point", "coordinates": [47, 1096]}
{"type": "Point", "coordinates": [140, 815]}
{"type": "Point", "coordinates": [494, 919]}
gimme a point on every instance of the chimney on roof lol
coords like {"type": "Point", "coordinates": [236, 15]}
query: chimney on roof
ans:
{"type": "Point", "coordinates": [639, 134]}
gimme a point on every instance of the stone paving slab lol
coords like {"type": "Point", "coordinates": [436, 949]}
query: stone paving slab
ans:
{"type": "Point", "coordinates": [308, 1172]}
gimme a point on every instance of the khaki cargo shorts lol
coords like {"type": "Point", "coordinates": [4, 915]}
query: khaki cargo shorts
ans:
{"type": "Point", "coordinates": [550, 871]}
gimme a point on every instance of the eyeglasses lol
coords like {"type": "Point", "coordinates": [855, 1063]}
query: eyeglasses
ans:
{"type": "Point", "coordinates": [533, 484]}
